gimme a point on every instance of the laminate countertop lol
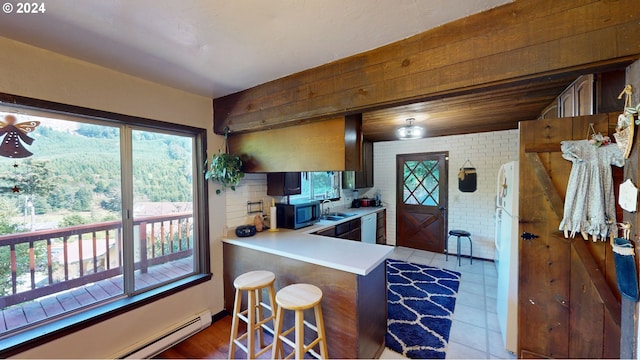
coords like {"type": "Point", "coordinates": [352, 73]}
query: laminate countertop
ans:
{"type": "Point", "coordinates": [346, 255]}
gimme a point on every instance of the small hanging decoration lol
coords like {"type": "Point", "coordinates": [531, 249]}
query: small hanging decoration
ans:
{"type": "Point", "coordinates": [14, 134]}
{"type": "Point", "coordinates": [625, 126]}
{"type": "Point", "coordinates": [467, 178]}
{"type": "Point", "coordinates": [597, 139]}
{"type": "Point", "coordinates": [628, 196]}
{"type": "Point", "coordinates": [625, 263]}
{"type": "Point", "coordinates": [15, 188]}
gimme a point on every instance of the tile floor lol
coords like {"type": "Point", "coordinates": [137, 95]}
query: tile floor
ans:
{"type": "Point", "coordinates": [474, 332]}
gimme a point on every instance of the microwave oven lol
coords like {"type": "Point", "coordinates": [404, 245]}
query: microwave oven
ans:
{"type": "Point", "coordinates": [296, 216]}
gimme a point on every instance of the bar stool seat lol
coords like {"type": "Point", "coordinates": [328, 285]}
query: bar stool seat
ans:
{"type": "Point", "coordinates": [254, 283]}
{"type": "Point", "coordinates": [298, 298]}
{"type": "Point", "coordinates": [458, 234]}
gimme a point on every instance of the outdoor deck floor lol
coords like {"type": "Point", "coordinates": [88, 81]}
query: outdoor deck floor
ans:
{"type": "Point", "coordinates": [17, 316]}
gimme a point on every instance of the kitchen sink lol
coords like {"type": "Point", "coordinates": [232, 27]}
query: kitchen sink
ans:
{"type": "Point", "coordinates": [331, 217]}
{"type": "Point", "coordinates": [335, 216]}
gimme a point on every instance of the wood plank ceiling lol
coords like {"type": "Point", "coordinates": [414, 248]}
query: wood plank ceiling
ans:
{"type": "Point", "coordinates": [483, 110]}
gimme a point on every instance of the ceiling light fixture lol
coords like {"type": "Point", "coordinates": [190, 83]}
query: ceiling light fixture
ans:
{"type": "Point", "coordinates": [410, 131]}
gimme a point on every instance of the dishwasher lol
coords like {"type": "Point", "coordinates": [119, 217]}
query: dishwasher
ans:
{"type": "Point", "coordinates": [368, 228]}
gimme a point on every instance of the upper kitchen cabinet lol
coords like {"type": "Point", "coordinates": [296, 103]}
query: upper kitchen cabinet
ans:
{"type": "Point", "coordinates": [364, 178]}
{"type": "Point", "coordinates": [333, 144]}
{"type": "Point", "coordinates": [588, 95]}
{"type": "Point", "coordinates": [578, 98]}
{"type": "Point", "coordinates": [284, 183]}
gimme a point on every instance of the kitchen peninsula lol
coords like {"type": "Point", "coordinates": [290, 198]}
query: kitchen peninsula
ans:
{"type": "Point", "coordinates": [351, 275]}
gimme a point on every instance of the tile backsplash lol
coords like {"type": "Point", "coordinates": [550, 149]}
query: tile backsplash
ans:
{"type": "Point", "coordinates": [253, 188]}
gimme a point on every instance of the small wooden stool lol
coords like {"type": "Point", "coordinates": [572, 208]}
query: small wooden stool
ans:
{"type": "Point", "coordinates": [254, 282]}
{"type": "Point", "coordinates": [459, 234]}
{"type": "Point", "coordinates": [298, 298]}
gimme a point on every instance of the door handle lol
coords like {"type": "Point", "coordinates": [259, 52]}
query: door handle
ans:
{"type": "Point", "coordinates": [528, 236]}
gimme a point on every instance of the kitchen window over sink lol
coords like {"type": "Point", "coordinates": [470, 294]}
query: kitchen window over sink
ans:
{"type": "Point", "coordinates": [319, 185]}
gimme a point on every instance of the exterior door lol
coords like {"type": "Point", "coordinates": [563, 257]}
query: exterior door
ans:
{"type": "Point", "coordinates": [569, 306]}
{"type": "Point", "coordinates": [421, 200]}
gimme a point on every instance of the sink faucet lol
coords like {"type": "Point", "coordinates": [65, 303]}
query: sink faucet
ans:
{"type": "Point", "coordinates": [322, 208]}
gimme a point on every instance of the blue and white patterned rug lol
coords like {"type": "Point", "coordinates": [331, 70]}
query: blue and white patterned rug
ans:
{"type": "Point", "coordinates": [421, 300]}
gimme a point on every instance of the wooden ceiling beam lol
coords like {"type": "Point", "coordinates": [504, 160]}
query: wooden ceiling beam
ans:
{"type": "Point", "coordinates": [526, 39]}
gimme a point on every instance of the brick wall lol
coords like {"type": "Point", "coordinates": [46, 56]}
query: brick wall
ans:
{"type": "Point", "coordinates": [474, 211]}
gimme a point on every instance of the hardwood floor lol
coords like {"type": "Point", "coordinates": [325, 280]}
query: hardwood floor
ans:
{"type": "Point", "coordinates": [210, 343]}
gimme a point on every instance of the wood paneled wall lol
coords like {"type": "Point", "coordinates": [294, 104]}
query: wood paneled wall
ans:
{"type": "Point", "coordinates": [522, 40]}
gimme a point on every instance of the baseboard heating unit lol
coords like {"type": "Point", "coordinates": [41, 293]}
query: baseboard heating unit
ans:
{"type": "Point", "coordinates": [169, 337]}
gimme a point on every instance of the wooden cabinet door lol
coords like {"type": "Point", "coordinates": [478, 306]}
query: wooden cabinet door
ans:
{"type": "Point", "coordinates": [565, 102]}
{"type": "Point", "coordinates": [330, 231]}
{"type": "Point", "coordinates": [578, 99]}
{"type": "Point", "coordinates": [568, 304]}
{"type": "Point", "coordinates": [583, 96]}
{"type": "Point", "coordinates": [381, 231]}
{"type": "Point", "coordinates": [284, 183]}
{"type": "Point", "coordinates": [364, 178]}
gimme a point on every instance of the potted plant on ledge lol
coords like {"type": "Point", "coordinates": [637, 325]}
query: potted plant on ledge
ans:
{"type": "Point", "coordinates": [223, 168]}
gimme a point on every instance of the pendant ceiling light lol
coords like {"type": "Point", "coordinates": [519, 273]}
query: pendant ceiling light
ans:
{"type": "Point", "coordinates": [410, 131]}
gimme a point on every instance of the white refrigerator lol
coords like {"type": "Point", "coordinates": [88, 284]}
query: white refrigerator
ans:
{"type": "Point", "coordinates": [506, 256]}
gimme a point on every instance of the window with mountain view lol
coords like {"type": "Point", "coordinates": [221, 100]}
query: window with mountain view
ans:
{"type": "Point", "coordinates": [91, 211]}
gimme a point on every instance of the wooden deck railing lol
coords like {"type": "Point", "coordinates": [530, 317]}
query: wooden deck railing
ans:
{"type": "Point", "coordinates": [49, 261]}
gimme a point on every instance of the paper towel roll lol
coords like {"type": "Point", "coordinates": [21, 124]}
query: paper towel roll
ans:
{"type": "Point", "coordinates": [272, 218]}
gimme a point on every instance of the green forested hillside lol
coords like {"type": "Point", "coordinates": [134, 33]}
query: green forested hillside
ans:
{"type": "Point", "coordinates": [79, 171]}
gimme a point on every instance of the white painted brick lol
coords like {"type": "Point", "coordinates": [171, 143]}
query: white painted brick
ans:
{"type": "Point", "coordinates": [473, 212]}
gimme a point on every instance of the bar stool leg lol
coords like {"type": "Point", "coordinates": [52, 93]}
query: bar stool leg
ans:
{"type": "Point", "coordinates": [251, 316]}
{"type": "Point", "coordinates": [277, 350]}
{"type": "Point", "coordinates": [259, 316]}
{"type": "Point", "coordinates": [273, 306]}
{"type": "Point", "coordinates": [299, 334]}
{"type": "Point", "coordinates": [324, 353]}
{"type": "Point", "coordinates": [234, 325]}
{"type": "Point", "coordinates": [458, 252]}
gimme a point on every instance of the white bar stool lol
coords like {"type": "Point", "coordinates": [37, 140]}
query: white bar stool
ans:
{"type": "Point", "coordinates": [298, 298]}
{"type": "Point", "coordinates": [253, 282]}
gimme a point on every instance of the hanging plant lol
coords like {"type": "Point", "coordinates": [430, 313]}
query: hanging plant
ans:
{"type": "Point", "coordinates": [224, 169]}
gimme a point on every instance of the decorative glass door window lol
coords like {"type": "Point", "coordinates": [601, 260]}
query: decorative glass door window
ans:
{"type": "Point", "coordinates": [421, 179]}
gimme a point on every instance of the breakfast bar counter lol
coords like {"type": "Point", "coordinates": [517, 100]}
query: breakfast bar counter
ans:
{"type": "Point", "coordinates": [350, 274]}
{"type": "Point", "coordinates": [350, 256]}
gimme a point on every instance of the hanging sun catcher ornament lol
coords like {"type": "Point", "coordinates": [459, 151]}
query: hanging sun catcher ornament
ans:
{"type": "Point", "coordinates": [15, 188]}
{"type": "Point", "coordinates": [14, 136]}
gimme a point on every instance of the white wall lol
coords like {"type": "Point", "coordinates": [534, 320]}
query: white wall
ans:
{"type": "Point", "coordinates": [33, 72]}
{"type": "Point", "coordinates": [474, 211]}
